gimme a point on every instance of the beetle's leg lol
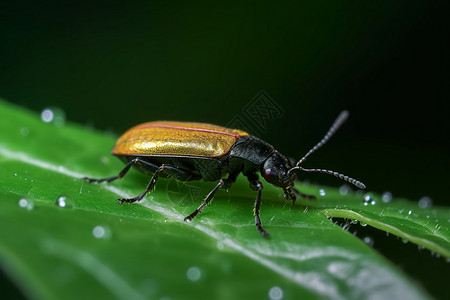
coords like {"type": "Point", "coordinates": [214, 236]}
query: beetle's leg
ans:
{"type": "Point", "coordinates": [256, 185]}
{"type": "Point", "coordinates": [306, 196]}
{"type": "Point", "coordinates": [149, 188]}
{"type": "Point", "coordinates": [121, 173]}
{"type": "Point", "coordinates": [224, 182]}
{"type": "Point", "coordinates": [173, 171]}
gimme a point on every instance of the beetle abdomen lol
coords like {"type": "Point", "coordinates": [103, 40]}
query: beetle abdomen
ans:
{"type": "Point", "coordinates": [165, 138]}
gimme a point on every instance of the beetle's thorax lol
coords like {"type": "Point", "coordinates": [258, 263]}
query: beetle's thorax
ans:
{"type": "Point", "coordinates": [248, 154]}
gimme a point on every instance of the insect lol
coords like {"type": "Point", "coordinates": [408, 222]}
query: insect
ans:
{"type": "Point", "coordinates": [194, 151]}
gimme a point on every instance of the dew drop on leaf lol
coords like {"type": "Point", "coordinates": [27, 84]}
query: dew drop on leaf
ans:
{"type": "Point", "coordinates": [275, 293]}
{"type": "Point", "coordinates": [425, 202]}
{"type": "Point", "coordinates": [24, 131]}
{"type": "Point", "coordinates": [64, 202]}
{"type": "Point", "coordinates": [53, 115]}
{"type": "Point", "coordinates": [101, 232]}
{"type": "Point", "coordinates": [344, 189]}
{"type": "Point", "coordinates": [322, 192]}
{"type": "Point", "coordinates": [26, 203]}
{"type": "Point", "coordinates": [194, 273]}
{"type": "Point", "coordinates": [386, 197]}
{"type": "Point", "coordinates": [368, 240]}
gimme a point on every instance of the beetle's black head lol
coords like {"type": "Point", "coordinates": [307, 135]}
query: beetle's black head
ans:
{"type": "Point", "coordinates": [275, 170]}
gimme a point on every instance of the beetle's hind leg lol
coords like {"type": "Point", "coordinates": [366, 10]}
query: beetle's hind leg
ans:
{"type": "Point", "coordinates": [177, 173]}
{"type": "Point", "coordinates": [121, 173]}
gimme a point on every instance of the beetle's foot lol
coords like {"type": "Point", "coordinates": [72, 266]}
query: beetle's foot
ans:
{"type": "Point", "coordinates": [191, 216]}
{"type": "Point", "coordinates": [262, 231]}
{"type": "Point", "coordinates": [94, 180]}
{"type": "Point", "coordinates": [87, 179]}
{"type": "Point", "coordinates": [122, 201]}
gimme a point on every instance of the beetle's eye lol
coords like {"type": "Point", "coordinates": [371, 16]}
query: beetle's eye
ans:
{"type": "Point", "coordinates": [270, 176]}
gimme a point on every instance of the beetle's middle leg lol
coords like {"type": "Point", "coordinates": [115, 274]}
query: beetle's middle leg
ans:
{"type": "Point", "coordinates": [225, 183]}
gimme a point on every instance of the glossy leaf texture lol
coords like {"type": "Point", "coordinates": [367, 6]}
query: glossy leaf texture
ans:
{"type": "Point", "coordinates": [61, 237]}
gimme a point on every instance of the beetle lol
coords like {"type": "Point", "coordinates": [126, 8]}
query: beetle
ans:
{"type": "Point", "coordinates": [194, 151]}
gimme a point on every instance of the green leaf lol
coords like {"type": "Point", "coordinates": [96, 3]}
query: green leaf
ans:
{"type": "Point", "coordinates": [93, 247]}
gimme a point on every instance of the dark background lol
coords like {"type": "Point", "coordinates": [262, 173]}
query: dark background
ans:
{"type": "Point", "coordinates": [112, 65]}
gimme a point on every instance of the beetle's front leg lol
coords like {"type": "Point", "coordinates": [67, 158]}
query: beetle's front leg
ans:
{"type": "Point", "coordinates": [256, 185]}
{"type": "Point", "coordinates": [305, 196]}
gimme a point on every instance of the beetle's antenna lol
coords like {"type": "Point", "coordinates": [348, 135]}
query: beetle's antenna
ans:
{"type": "Point", "coordinates": [353, 181]}
{"type": "Point", "coordinates": [339, 121]}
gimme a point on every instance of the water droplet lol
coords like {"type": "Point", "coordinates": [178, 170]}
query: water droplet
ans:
{"type": "Point", "coordinates": [47, 115]}
{"type": "Point", "coordinates": [101, 232]}
{"type": "Point", "coordinates": [367, 197]}
{"type": "Point", "coordinates": [425, 202]}
{"type": "Point", "coordinates": [366, 203]}
{"type": "Point", "coordinates": [194, 273]}
{"type": "Point", "coordinates": [363, 224]}
{"type": "Point", "coordinates": [404, 241]}
{"type": "Point", "coordinates": [53, 115]}
{"type": "Point", "coordinates": [386, 197]}
{"type": "Point", "coordinates": [26, 203]}
{"type": "Point", "coordinates": [409, 212]}
{"type": "Point", "coordinates": [373, 202]}
{"type": "Point", "coordinates": [220, 245]}
{"type": "Point", "coordinates": [275, 293]}
{"type": "Point", "coordinates": [344, 189]}
{"type": "Point", "coordinates": [368, 240]}
{"type": "Point", "coordinates": [354, 221]}
{"type": "Point", "coordinates": [24, 131]}
{"type": "Point", "coordinates": [322, 192]}
{"type": "Point", "coordinates": [64, 202]}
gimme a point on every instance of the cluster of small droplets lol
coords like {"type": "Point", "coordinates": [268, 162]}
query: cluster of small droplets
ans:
{"type": "Point", "coordinates": [368, 199]}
